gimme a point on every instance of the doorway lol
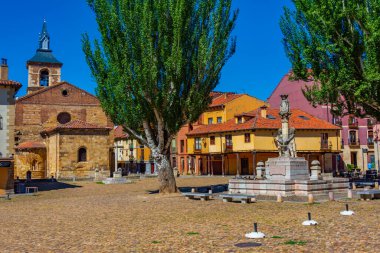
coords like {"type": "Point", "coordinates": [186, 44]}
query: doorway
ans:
{"type": "Point", "coordinates": [354, 159]}
{"type": "Point", "coordinates": [244, 166]}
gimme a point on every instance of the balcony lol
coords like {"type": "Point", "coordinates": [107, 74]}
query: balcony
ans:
{"type": "Point", "coordinates": [325, 144]}
{"type": "Point", "coordinates": [197, 148]}
{"type": "Point", "coordinates": [354, 143]}
{"type": "Point", "coordinates": [370, 142]}
{"type": "Point", "coordinates": [370, 123]}
{"type": "Point", "coordinates": [353, 123]}
{"type": "Point", "coordinates": [228, 147]}
{"type": "Point", "coordinates": [337, 121]}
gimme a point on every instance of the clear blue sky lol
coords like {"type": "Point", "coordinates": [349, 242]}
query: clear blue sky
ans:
{"type": "Point", "coordinates": [256, 68]}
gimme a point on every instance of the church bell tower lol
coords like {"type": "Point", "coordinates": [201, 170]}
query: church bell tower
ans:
{"type": "Point", "coordinates": [44, 69]}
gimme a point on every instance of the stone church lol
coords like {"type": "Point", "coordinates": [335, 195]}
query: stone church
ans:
{"type": "Point", "coordinates": [60, 129]}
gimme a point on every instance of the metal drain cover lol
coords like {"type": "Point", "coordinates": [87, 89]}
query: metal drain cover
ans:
{"type": "Point", "coordinates": [248, 244]}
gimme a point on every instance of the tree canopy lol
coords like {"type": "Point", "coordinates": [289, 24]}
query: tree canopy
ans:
{"type": "Point", "coordinates": [336, 44]}
{"type": "Point", "coordinates": [156, 64]}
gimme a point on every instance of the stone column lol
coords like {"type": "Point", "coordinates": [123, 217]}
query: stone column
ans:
{"type": "Point", "coordinates": [260, 170]}
{"type": "Point", "coordinates": [315, 170]}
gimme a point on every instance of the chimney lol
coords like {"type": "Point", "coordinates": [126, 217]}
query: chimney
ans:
{"type": "Point", "coordinates": [263, 111]}
{"type": "Point", "coordinates": [3, 69]}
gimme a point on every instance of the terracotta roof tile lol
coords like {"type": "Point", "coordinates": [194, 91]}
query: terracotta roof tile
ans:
{"type": "Point", "coordinates": [120, 134]}
{"type": "Point", "coordinates": [11, 83]}
{"type": "Point", "coordinates": [298, 119]}
{"type": "Point", "coordinates": [30, 145]}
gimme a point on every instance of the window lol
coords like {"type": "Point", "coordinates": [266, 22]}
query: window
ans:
{"type": "Point", "coordinates": [240, 120]}
{"type": "Point", "coordinates": [352, 137]}
{"type": "Point", "coordinates": [370, 137]}
{"type": "Point", "coordinates": [247, 137]}
{"type": "Point", "coordinates": [64, 118]}
{"type": "Point", "coordinates": [219, 120]}
{"type": "Point", "coordinates": [182, 146]}
{"type": "Point", "coordinates": [212, 140]}
{"type": "Point", "coordinates": [65, 93]}
{"type": "Point", "coordinates": [209, 121]}
{"type": "Point", "coordinates": [198, 144]}
{"type": "Point", "coordinates": [1, 122]}
{"type": "Point", "coordinates": [228, 141]}
{"type": "Point", "coordinates": [324, 140]}
{"type": "Point", "coordinates": [44, 78]}
{"type": "Point", "coordinates": [82, 155]}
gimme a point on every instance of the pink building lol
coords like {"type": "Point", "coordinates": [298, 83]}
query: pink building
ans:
{"type": "Point", "coordinates": [357, 133]}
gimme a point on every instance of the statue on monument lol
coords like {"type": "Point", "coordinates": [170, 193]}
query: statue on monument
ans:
{"type": "Point", "coordinates": [285, 138]}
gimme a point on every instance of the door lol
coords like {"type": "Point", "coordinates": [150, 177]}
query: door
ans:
{"type": "Point", "coordinates": [244, 166]}
{"type": "Point", "coordinates": [354, 159]}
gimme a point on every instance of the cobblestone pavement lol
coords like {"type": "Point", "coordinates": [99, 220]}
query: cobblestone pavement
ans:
{"type": "Point", "coordinates": [126, 218]}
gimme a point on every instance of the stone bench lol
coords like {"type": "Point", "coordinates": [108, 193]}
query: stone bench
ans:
{"type": "Point", "coordinates": [31, 189]}
{"type": "Point", "coordinates": [243, 198]}
{"type": "Point", "coordinates": [369, 194]}
{"type": "Point", "coordinates": [193, 195]}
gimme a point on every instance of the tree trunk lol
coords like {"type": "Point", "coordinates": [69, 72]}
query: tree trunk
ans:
{"type": "Point", "coordinates": [165, 175]}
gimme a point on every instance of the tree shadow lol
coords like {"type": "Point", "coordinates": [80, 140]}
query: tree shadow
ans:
{"type": "Point", "coordinates": [46, 184]}
{"type": "Point", "coordinates": [203, 189]}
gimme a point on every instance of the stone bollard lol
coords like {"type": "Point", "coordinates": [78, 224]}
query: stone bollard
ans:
{"type": "Point", "coordinates": [349, 194]}
{"type": "Point", "coordinates": [315, 170]}
{"type": "Point", "coordinates": [260, 170]}
{"type": "Point", "coordinates": [377, 185]}
{"type": "Point", "coordinates": [279, 198]}
{"type": "Point", "coordinates": [353, 186]}
{"type": "Point", "coordinates": [210, 191]}
{"type": "Point", "coordinates": [331, 196]}
{"type": "Point", "coordinates": [192, 189]}
{"type": "Point", "coordinates": [310, 198]}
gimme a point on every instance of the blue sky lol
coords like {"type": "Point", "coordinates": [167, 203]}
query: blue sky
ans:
{"type": "Point", "coordinates": [256, 68]}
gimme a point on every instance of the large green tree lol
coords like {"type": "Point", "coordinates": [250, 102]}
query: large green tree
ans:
{"type": "Point", "coordinates": [155, 65]}
{"type": "Point", "coordinates": [336, 43]}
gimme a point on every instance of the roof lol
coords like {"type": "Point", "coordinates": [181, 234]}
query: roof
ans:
{"type": "Point", "coordinates": [120, 134]}
{"type": "Point", "coordinates": [76, 124]}
{"type": "Point", "coordinates": [11, 83]}
{"type": "Point", "coordinates": [298, 119]}
{"type": "Point", "coordinates": [52, 87]}
{"type": "Point", "coordinates": [45, 56]}
{"type": "Point", "coordinates": [30, 145]}
{"type": "Point", "coordinates": [223, 98]}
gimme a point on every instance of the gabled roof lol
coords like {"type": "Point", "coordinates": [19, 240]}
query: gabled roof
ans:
{"type": "Point", "coordinates": [298, 119]}
{"type": "Point", "coordinates": [76, 124]}
{"type": "Point", "coordinates": [52, 87]}
{"type": "Point", "coordinates": [119, 133]}
{"type": "Point", "coordinates": [11, 83]}
{"type": "Point", "coordinates": [30, 145]}
{"type": "Point", "coordinates": [223, 98]}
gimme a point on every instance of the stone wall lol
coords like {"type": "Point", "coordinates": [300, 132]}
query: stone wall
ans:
{"type": "Point", "coordinates": [66, 165]}
{"type": "Point", "coordinates": [34, 75]}
{"type": "Point", "coordinates": [24, 161]}
{"type": "Point", "coordinates": [7, 113]}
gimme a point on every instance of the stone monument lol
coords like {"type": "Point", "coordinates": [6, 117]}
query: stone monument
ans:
{"type": "Point", "coordinates": [287, 174]}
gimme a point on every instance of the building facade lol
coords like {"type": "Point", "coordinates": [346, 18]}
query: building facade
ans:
{"type": "Point", "coordinates": [224, 106]}
{"type": "Point", "coordinates": [357, 133]}
{"type": "Point", "coordinates": [60, 129]}
{"type": "Point", "coordinates": [235, 147]}
{"type": "Point", "coordinates": [131, 156]}
{"type": "Point", "coordinates": [8, 90]}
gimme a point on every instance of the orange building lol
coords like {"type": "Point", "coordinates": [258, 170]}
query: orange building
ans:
{"type": "Point", "coordinates": [234, 147]}
{"type": "Point", "coordinates": [224, 106]}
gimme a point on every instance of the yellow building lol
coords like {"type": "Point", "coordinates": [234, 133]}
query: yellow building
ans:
{"type": "Point", "coordinates": [235, 147]}
{"type": "Point", "coordinates": [131, 156]}
{"type": "Point", "coordinates": [224, 106]}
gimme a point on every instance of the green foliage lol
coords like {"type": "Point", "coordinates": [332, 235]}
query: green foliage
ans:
{"type": "Point", "coordinates": [277, 237]}
{"type": "Point", "coordinates": [192, 233]}
{"type": "Point", "coordinates": [336, 44]}
{"type": "Point", "coordinates": [156, 242]}
{"type": "Point", "coordinates": [293, 242]}
{"type": "Point", "coordinates": [99, 182]}
{"type": "Point", "coordinates": [350, 167]}
{"type": "Point", "coordinates": [157, 62]}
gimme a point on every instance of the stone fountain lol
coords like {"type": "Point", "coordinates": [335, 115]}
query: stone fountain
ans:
{"type": "Point", "coordinates": [288, 175]}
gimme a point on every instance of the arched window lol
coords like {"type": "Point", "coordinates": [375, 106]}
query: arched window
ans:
{"type": "Point", "coordinates": [82, 155]}
{"type": "Point", "coordinates": [44, 77]}
{"type": "Point", "coordinates": [1, 122]}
